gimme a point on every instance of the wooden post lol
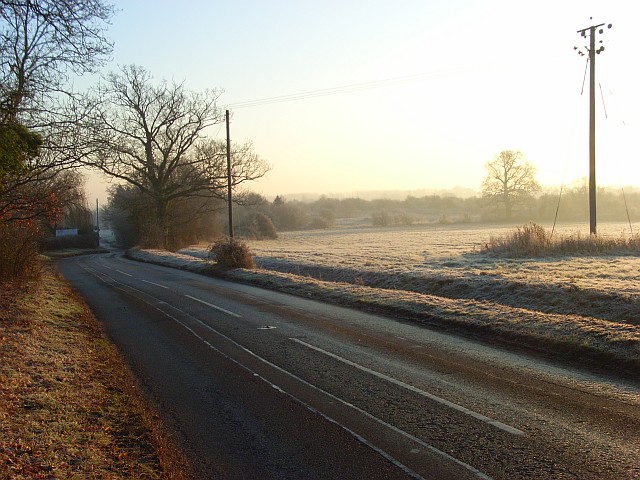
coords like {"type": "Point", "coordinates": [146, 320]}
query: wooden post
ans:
{"type": "Point", "coordinates": [592, 119]}
{"type": "Point", "coordinates": [229, 186]}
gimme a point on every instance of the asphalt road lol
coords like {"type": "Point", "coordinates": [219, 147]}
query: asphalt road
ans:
{"type": "Point", "coordinates": [259, 384]}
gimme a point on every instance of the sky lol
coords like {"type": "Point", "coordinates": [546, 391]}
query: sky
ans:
{"type": "Point", "coordinates": [410, 95]}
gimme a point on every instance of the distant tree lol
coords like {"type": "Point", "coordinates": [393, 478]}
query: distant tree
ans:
{"type": "Point", "coordinates": [352, 206]}
{"type": "Point", "coordinates": [278, 201]}
{"type": "Point", "coordinates": [150, 135]}
{"type": "Point", "coordinates": [74, 211]}
{"type": "Point", "coordinates": [253, 201]}
{"type": "Point", "coordinates": [124, 213]}
{"type": "Point", "coordinates": [258, 226]}
{"type": "Point", "coordinates": [293, 215]}
{"type": "Point", "coordinates": [510, 179]}
{"type": "Point", "coordinates": [191, 219]}
{"type": "Point", "coordinates": [324, 219]}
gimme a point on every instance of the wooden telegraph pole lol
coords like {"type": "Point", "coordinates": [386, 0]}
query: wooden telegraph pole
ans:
{"type": "Point", "coordinates": [97, 220]}
{"type": "Point", "coordinates": [229, 189]}
{"type": "Point", "coordinates": [591, 31]}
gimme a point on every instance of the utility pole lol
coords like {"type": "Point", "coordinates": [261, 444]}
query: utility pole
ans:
{"type": "Point", "coordinates": [97, 220]}
{"type": "Point", "coordinates": [592, 117]}
{"type": "Point", "coordinates": [229, 189]}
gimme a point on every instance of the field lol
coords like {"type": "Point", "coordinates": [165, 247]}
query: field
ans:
{"type": "Point", "coordinates": [443, 259]}
{"type": "Point", "coordinates": [575, 305]}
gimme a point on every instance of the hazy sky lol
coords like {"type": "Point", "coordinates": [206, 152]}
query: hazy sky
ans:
{"type": "Point", "coordinates": [466, 79]}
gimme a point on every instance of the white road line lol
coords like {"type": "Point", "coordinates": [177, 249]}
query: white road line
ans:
{"type": "Point", "coordinates": [411, 473]}
{"type": "Point", "coordinates": [214, 306]}
{"type": "Point", "coordinates": [156, 284]}
{"type": "Point", "coordinates": [308, 406]}
{"type": "Point", "coordinates": [431, 448]}
{"type": "Point", "coordinates": [435, 398]}
{"type": "Point", "coordinates": [124, 273]}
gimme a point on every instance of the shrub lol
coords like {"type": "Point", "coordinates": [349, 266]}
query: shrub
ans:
{"type": "Point", "coordinates": [597, 245]}
{"type": "Point", "coordinates": [264, 226]}
{"type": "Point", "coordinates": [444, 219]}
{"type": "Point", "coordinates": [325, 219]}
{"type": "Point", "coordinates": [527, 240]}
{"type": "Point", "coordinates": [381, 219]}
{"type": "Point", "coordinates": [386, 219]}
{"type": "Point", "coordinates": [231, 253]}
{"type": "Point", "coordinates": [405, 219]}
{"type": "Point", "coordinates": [19, 250]}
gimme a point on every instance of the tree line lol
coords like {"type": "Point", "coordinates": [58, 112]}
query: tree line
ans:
{"type": "Point", "coordinates": [509, 193]}
{"type": "Point", "coordinates": [257, 217]}
{"type": "Point", "coordinates": [570, 205]}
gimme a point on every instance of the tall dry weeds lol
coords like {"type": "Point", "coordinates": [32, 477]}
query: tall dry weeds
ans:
{"type": "Point", "coordinates": [532, 240]}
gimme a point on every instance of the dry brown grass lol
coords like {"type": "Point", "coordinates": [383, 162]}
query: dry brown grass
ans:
{"type": "Point", "coordinates": [68, 406]}
{"type": "Point", "coordinates": [532, 240]}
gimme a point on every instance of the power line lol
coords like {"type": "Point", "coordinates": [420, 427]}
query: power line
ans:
{"type": "Point", "coordinates": [354, 87]}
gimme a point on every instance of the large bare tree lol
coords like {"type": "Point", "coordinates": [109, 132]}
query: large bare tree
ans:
{"type": "Point", "coordinates": [152, 135]}
{"type": "Point", "coordinates": [510, 179]}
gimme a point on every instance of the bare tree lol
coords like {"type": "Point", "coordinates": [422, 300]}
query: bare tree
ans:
{"type": "Point", "coordinates": [41, 42]}
{"type": "Point", "coordinates": [152, 136]}
{"type": "Point", "coordinates": [35, 196]}
{"type": "Point", "coordinates": [510, 179]}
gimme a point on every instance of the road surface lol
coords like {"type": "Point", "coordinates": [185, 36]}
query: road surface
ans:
{"type": "Point", "coordinates": [259, 384]}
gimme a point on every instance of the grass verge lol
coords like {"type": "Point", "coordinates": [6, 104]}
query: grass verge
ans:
{"type": "Point", "coordinates": [68, 406]}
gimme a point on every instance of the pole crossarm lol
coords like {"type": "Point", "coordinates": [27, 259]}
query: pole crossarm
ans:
{"type": "Point", "coordinates": [583, 32]}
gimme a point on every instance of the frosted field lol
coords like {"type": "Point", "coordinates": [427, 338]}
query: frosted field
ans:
{"type": "Point", "coordinates": [447, 261]}
{"type": "Point", "coordinates": [564, 304]}
{"type": "Point", "coordinates": [444, 253]}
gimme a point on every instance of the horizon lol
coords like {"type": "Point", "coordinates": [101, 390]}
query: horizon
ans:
{"type": "Point", "coordinates": [458, 191]}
